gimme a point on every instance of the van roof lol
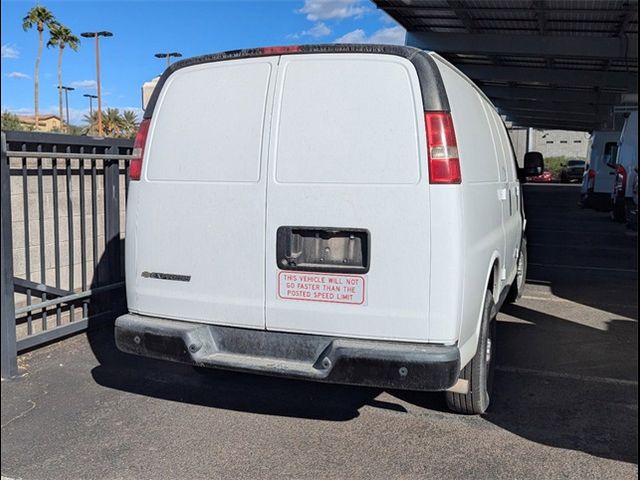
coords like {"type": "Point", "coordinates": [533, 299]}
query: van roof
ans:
{"type": "Point", "coordinates": [434, 97]}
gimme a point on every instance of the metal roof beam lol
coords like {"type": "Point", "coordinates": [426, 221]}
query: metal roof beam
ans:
{"type": "Point", "coordinates": [633, 7]}
{"type": "Point", "coordinates": [549, 126]}
{"type": "Point", "coordinates": [556, 76]}
{"type": "Point", "coordinates": [541, 106]}
{"type": "Point", "coordinates": [555, 116]}
{"type": "Point", "coordinates": [550, 94]}
{"type": "Point", "coordinates": [521, 117]}
{"type": "Point", "coordinates": [603, 48]}
{"type": "Point", "coordinates": [552, 124]}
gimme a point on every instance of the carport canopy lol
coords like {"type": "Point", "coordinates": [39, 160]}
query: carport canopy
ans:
{"type": "Point", "coordinates": [563, 64]}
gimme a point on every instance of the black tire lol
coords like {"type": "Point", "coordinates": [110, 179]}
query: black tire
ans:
{"type": "Point", "coordinates": [516, 290]}
{"type": "Point", "coordinates": [618, 210]}
{"type": "Point", "coordinates": [479, 371]}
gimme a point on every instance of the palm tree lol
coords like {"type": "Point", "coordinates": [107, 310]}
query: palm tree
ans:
{"type": "Point", "coordinates": [112, 122]}
{"type": "Point", "coordinates": [129, 123]}
{"type": "Point", "coordinates": [40, 17]}
{"type": "Point", "coordinates": [61, 36]}
{"type": "Point", "coordinates": [91, 121]}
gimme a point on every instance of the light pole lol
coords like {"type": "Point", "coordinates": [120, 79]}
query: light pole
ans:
{"type": "Point", "coordinates": [66, 101]}
{"type": "Point", "coordinates": [97, 35]}
{"type": "Point", "coordinates": [168, 56]}
{"type": "Point", "coordinates": [90, 97]}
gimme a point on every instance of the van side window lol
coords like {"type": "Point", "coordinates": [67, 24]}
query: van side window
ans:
{"type": "Point", "coordinates": [610, 154]}
{"type": "Point", "coordinates": [514, 157]}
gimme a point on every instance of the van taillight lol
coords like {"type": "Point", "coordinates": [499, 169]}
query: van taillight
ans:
{"type": "Point", "coordinates": [591, 179]}
{"type": "Point", "coordinates": [442, 148]}
{"type": "Point", "coordinates": [620, 184]}
{"type": "Point", "coordinates": [135, 167]}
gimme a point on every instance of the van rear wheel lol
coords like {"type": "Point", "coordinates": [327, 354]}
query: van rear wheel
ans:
{"type": "Point", "coordinates": [516, 290]}
{"type": "Point", "coordinates": [479, 371]}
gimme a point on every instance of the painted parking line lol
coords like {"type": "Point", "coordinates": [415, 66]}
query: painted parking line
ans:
{"type": "Point", "coordinates": [578, 267]}
{"type": "Point", "coordinates": [568, 376]}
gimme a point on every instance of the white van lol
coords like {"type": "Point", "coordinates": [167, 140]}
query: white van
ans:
{"type": "Point", "coordinates": [626, 162]}
{"type": "Point", "coordinates": [340, 213]}
{"type": "Point", "coordinates": [597, 183]}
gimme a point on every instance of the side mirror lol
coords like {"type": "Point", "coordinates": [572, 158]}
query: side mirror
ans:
{"type": "Point", "coordinates": [533, 165]}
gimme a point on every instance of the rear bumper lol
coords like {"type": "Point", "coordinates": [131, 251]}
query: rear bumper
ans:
{"type": "Point", "coordinates": [398, 365]}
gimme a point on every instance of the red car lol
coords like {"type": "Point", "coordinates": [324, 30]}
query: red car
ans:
{"type": "Point", "coordinates": [545, 177]}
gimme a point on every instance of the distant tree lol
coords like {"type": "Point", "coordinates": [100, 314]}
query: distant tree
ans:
{"type": "Point", "coordinates": [10, 122]}
{"type": "Point", "coordinates": [39, 17]}
{"type": "Point", "coordinates": [129, 123]}
{"type": "Point", "coordinates": [61, 36]}
{"type": "Point", "coordinates": [75, 130]}
{"type": "Point", "coordinates": [114, 123]}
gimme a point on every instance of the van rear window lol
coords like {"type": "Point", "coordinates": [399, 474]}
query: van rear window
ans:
{"type": "Point", "coordinates": [348, 119]}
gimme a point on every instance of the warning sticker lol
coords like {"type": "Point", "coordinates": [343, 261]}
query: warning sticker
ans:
{"type": "Point", "coordinates": [321, 287]}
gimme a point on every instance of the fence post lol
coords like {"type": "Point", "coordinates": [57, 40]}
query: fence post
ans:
{"type": "Point", "coordinates": [112, 226]}
{"type": "Point", "coordinates": [112, 214]}
{"type": "Point", "coordinates": [8, 317]}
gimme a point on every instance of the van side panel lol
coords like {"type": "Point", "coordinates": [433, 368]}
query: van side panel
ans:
{"type": "Point", "coordinates": [600, 153]}
{"type": "Point", "coordinates": [447, 263]}
{"type": "Point", "coordinates": [348, 151]}
{"type": "Point", "coordinates": [510, 196]}
{"type": "Point", "coordinates": [483, 236]}
{"type": "Point", "coordinates": [196, 227]}
{"type": "Point", "coordinates": [628, 150]}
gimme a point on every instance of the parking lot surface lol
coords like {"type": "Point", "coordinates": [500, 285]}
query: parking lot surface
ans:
{"type": "Point", "coordinates": [565, 401]}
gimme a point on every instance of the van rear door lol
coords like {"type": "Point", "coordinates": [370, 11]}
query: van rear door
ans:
{"type": "Point", "coordinates": [347, 237]}
{"type": "Point", "coordinates": [197, 227]}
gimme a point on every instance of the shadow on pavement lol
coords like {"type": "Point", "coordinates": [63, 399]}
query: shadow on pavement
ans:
{"type": "Point", "coordinates": [552, 404]}
{"type": "Point", "coordinates": [213, 388]}
{"type": "Point", "coordinates": [227, 390]}
{"type": "Point", "coordinates": [580, 254]}
{"type": "Point", "coordinates": [585, 398]}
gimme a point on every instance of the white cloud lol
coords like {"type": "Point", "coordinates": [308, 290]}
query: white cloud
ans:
{"type": "Point", "coordinates": [83, 84]}
{"type": "Point", "coordinates": [391, 35]}
{"type": "Point", "coordinates": [17, 111]}
{"type": "Point", "coordinates": [18, 75]}
{"type": "Point", "coordinates": [9, 51]}
{"type": "Point", "coordinates": [356, 36]}
{"type": "Point", "coordinates": [332, 9]}
{"type": "Point", "coordinates": [318, 30]}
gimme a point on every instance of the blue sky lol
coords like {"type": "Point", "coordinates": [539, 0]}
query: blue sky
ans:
{"type": "Point", "coordinates": [142, 28]}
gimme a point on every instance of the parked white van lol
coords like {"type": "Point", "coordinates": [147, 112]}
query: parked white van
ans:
{"type": "Point", "coordinates": [339, 213]}
{"type": "Point", "coordinates": [597, 183]}
{"type": "Point", "coordinates": [626, 162]}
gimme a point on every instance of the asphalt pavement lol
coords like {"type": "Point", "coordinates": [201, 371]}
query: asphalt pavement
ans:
{"type": "Point", "coordinates": [565, 403]}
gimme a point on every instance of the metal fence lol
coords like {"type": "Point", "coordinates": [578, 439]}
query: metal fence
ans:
{"type": "Point", "coordinates": [63, 201]}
